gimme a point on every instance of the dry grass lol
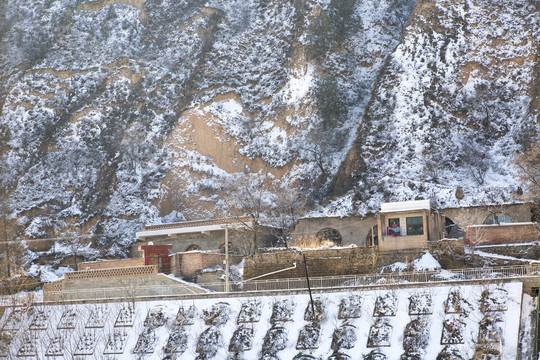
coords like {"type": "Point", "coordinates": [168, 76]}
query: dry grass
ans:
{"type": "Point", "coordinates": [312, 242]}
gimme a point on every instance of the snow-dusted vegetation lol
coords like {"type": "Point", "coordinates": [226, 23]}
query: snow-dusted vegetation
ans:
{"type": "Point", "coordinates": [154, 335]}
{"type": "Point", "coordinates": [450, 109]}
{"type": "Point", "coordinates": [100, 101]}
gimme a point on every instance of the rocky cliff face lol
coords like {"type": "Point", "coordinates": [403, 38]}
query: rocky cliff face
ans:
{"type": "Point", "coordinates": [116, 113]}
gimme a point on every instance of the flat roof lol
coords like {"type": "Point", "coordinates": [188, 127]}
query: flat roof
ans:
{"type": "Point", "coordinates": [187, 227]}
{"type": "Point", "coordinates": [405, 206]}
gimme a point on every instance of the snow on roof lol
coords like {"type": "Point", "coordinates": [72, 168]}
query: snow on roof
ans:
{"type": "Point", "coordinates": [405, 206]}
{"type": "Point", "coordinates": [502, 224]}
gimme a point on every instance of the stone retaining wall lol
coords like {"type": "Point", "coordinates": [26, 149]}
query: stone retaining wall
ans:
{"type": "Point", "coordinates": [523, 251]}
{"type": "Point", "coordinates": [336, 261]}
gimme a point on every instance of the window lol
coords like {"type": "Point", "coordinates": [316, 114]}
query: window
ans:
{"type": "Point", "coordinates": [499, 218]}
{"type": "Point", "coordinates": [415, 225]}
{"type": "Point", "coordinates": [393, 227]}
{"type": "Point", "coordinates": [232, 249]}
{"type": "Point", "coordinates": [193, 247]}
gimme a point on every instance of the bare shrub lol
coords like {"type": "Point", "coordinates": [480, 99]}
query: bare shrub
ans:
{"type": "Point", "coordinates": [311, 242]}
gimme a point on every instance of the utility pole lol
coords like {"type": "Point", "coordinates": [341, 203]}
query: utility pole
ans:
{"type": "Point", "coordinates": [227, 285]}
{"type": "Point", "coordinates": [309, 287]}
{"type": "Point", "coordinates": [537, 342]}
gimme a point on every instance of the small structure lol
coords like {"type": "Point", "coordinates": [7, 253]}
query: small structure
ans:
{"type": "Point", "coordinates": [204, 235]}
{"type": "Point", "coordinates": [198, 245]}
{"type": "Point", "coordinates": [408, 225]}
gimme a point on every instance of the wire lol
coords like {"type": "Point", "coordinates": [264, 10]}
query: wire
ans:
{"type": "Point", "coordinates": [60, 238]}
{"type": "Point", "coordinates": [88, 236]}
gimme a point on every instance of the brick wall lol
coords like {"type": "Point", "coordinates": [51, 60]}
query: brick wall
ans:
{"type": "Point", "coordinates": [502, 234]}
{"type": "Point", "coordinates": [389, 243]}
{"type": "Point", "coordinates": [110, 264]}
{"type": "Point", "coordinates": [190, 263]}
{"type": "Point", "coordinates": [54, 286]}
{"type": "Point", "coordinates": [120, 272]}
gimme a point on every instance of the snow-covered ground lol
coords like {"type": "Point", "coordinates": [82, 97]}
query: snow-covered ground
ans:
{"type": "Point", "coordinates": [275, 327]}
{"type": "Point", "coordinates": [474, 250]}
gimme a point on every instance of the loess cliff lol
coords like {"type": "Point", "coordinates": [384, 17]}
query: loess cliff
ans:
{"type": "Point", "coordinates": [116, 113]}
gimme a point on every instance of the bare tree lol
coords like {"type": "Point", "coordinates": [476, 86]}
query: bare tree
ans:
{"type": "Point", "coordinates": [290, 206]}
{"type": "Point", "coordinates": [12, 249]}
{"type": "Point", "coordinates": [528, 170]}
{"type": "Point", "coordinates": [326, 134]}
{"type": "Point", "coordinates": [475, 161]}
{"type": "Point", "coordinates": [76, 247]}
{"type": "Point", "coordinates": [317, 153]}
{"type": "Point", "coordinates": [251, 196]}
{"type": "Point", "coordinates": [274, 210]}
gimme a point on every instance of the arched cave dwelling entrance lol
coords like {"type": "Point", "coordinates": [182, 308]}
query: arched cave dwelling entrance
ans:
{"type": "Point", "coordinates": [372, 238]}
{"type": "Point", "coordinates": [330, 235]}
{"type": "Point", "coordinates": [453, 231]}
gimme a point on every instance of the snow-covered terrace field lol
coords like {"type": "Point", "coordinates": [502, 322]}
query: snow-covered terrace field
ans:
{"type": "Point", "coordinates": [427, 322]}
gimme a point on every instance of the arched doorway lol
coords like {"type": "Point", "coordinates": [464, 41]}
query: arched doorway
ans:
{"type": "Point", "coordinates": [330, 234]}
{"type": "Point", "coordinates": [372, 238]}
{"type": "Point", "coordinates": [453, 231]}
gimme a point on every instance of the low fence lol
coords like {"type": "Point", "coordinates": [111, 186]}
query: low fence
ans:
{"type": "Point", "coordinates": [486, 273]}
{"type": "Point", "coordinates": [131, 293]}
{"type": "Point", "coordinates": [333, 282]}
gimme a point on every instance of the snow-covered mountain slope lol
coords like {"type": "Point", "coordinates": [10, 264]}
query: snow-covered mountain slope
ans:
{"type": "Point", "coordinates": [453, 104]}
{"type": "Point", "coordinates": [116, 113]}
